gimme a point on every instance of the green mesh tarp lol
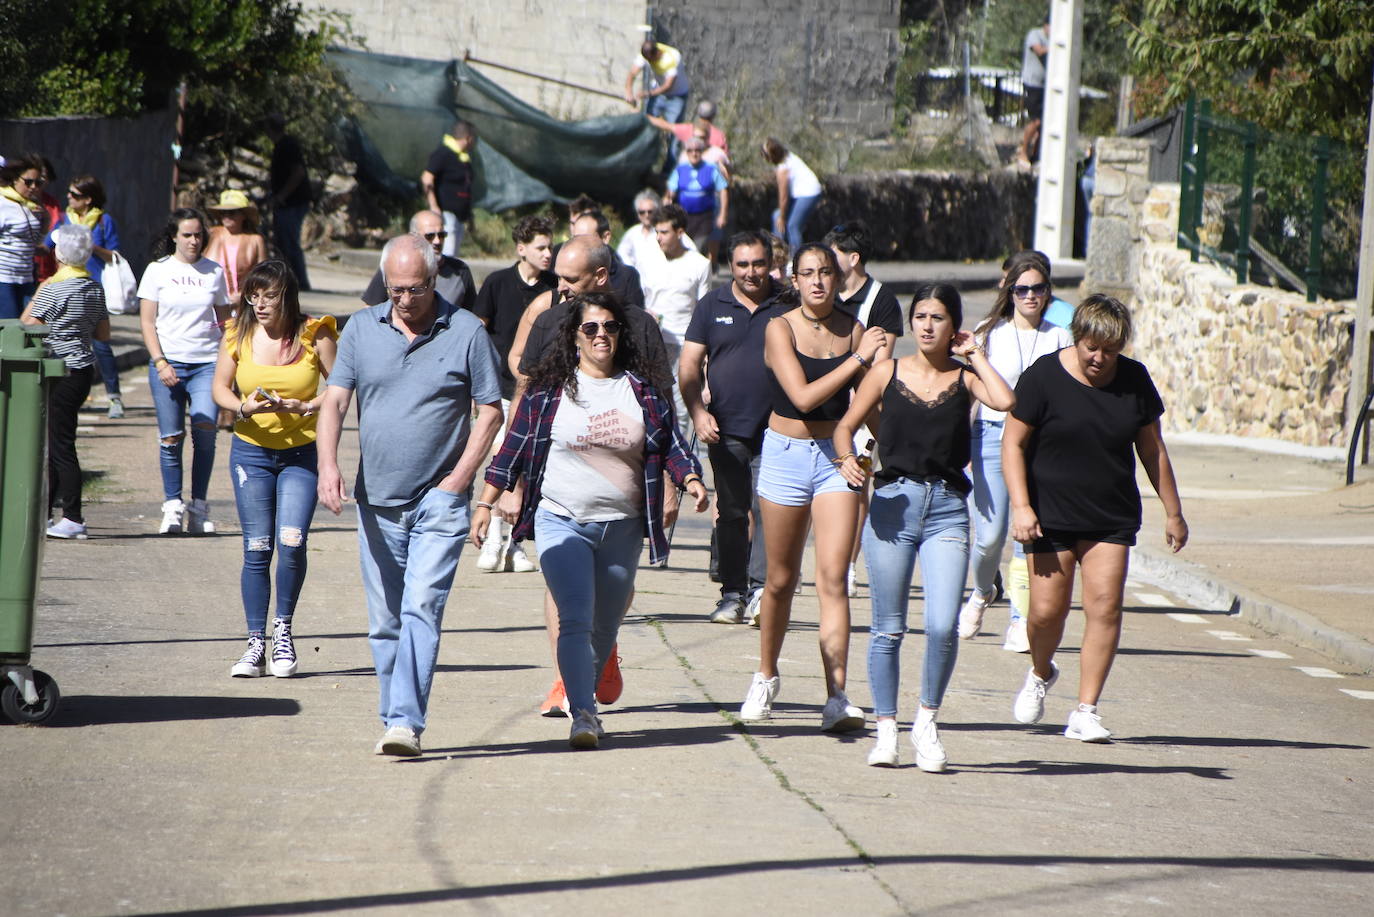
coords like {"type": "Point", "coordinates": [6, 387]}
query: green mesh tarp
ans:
{"type": "Point", "coordinates": [523, 156]}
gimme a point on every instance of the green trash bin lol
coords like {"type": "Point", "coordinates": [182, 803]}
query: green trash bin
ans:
{"type": "Point", "coordinates": [26, 695]}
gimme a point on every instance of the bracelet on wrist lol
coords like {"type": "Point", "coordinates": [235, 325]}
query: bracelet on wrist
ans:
{"type": "Point", "coordinates": [840, 459]}
{"type": "Point", "coordinates": [160, 362]}
{"type": "Point", "coordinates": [242, 415]}
{"type": "Point", "coordinates": [482, 504]}
{"type": "Point", "coordinates": [866, 364]}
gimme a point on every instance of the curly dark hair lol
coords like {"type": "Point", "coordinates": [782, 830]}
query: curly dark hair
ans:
{"type": "Point", "coordinates": [558, 367]}
{"type": "Point", "coordinates": [166, 243]}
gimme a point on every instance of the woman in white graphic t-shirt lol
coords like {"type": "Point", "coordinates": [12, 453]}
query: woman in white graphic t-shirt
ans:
{"type": "Point", "coordinates": [592, 438]}
{"type": "Point", "coordinates": [183, 306]}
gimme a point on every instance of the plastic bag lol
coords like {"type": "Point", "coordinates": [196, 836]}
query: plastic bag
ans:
{"type": "Point", "coordinates": [121, 291]}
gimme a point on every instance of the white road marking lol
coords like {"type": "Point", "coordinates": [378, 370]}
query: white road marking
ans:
{"type": "Point", "coordinates": [1187, 617]}
{"type": "Point", "coordinates": [1270, 654]}
{"type": "Point", "coordinates": [1362, 695]}
{"type": "Point", "coordinates": [85, 429]}
{"type": "Point", "coordinates": [1153, 598]}
{"type": "Point", "coordinates": [1227, 635]}
{"type": "Point", "coordinates": [1317, 671]}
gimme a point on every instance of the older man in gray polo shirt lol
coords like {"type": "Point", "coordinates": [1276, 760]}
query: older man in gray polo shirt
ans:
{"type": "Point", "coordinates": [417, 364]}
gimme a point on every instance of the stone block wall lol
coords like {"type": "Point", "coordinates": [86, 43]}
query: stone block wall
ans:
{"type": "Point", "coordinates": [588, 42]}
{"type": "Point", "coordinates": [1116, 234]}
{"type": "Point", "coordinates": [1231, 358]}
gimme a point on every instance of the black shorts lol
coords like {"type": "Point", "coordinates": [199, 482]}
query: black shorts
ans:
{"type": "Point", "coordinates": [1034, 97]}
{"type": "Point", "coordinates": [1052, 541]}
{"type": "Point", "coordinates": [700, 226]}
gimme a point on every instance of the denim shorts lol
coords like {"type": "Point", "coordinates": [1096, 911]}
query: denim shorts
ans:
{"type": "Point", "coordinates": [793, 471]}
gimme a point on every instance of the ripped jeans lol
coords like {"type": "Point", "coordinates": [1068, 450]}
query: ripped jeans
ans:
{"type": "Point", "coordinates": [275, 493]}
{"type": "Point", "coordinates": [908, 518]}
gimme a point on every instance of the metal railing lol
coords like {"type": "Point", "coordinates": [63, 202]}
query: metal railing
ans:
{"type": "Point", "coordinates": [1283, 207]}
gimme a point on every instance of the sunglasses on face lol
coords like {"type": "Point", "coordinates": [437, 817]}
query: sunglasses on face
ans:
{"type": "Point", "coordinates": [646, 213]}
{"type": "Point", "coordinates": [33, 182]}
{"type": "Point", "coordinates": [398, 292]}
{"type": "Point", "coordinates": [1021, 290]}
{"type": "Point", "coordinates": [435, 236]}
{"type": "Point", "coordinates": [592, 329]}
{"type": "Point", "coordinates": [73, 193]}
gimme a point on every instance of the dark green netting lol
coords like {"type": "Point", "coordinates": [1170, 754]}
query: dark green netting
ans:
{"type": "Point", "coordinates": [523, 156]}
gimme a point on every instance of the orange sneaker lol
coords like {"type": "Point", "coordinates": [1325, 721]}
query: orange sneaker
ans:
{"type": "Point", "coordinates": [612, 684]}
{"type": "Point", "coordinates": [556, 703]}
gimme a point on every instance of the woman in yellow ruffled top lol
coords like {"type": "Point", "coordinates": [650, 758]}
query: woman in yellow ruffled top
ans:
{"type": "Point", "coordinates": [277, 358]}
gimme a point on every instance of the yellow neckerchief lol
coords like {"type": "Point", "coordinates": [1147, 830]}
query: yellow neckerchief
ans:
{"type": "Point", "coordinates": [458, 151]}
{"type": "Point", "coordinates": [87, 219]}
{"type": "Point", "coordinates": [68, 272]}
{"type": "Point", "coordinates": [9, 192]}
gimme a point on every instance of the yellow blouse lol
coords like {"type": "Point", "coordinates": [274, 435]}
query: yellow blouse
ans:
{"type": "Point", "coordinates": [300, 380]}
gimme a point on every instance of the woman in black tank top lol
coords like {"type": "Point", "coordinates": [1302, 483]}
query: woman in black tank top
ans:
{"type": "Point", "coordinates": [814, 353]}
{"type": "Point", "coordinates": [918, 508]}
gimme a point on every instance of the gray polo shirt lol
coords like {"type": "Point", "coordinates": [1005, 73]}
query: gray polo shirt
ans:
{"type": "Point", "coordinates": [414, 397]}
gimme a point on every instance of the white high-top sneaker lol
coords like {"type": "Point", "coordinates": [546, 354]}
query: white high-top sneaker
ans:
{"type": "Point", "coordinates": [173, 522]}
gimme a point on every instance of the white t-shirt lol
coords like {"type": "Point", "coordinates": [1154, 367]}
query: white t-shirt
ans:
{"type": "Point", "coordinates": [186, 295]}
{"type": "Point", "coordinates": [595, 471]}
{"type": "Point", "coordinates": [639, 246]}
{"type": "Point", "coordinates": [1012, 350]}
{"type": "Point", "coordinates": [801, 181]}
{"type": "Point", "coordinates": [672, 288]}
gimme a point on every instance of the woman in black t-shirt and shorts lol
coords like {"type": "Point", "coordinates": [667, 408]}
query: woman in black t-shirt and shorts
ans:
{"type": "Point", "coordinates": [1066, 458]}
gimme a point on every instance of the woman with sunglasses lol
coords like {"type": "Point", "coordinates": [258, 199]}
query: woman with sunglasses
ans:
{"type": "Point", "coordinates": [276, 357]}
{"type": "Point", "coordinates": [919, 507]}
{"type": "Point", "coordinates": [235, 244]}
{"type": "Point", "coordinates": [592, 437]}
{"type": "Point", "coordinates": [815, 354]}
{"type": "Point", "coordinates": [22, 224]}
{"type": "Point", "coordinates": [183, 304]}
{"type": "Point", "coordinates": [1015, 334]}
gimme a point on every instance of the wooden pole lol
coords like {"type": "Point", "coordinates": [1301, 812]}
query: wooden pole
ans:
{"type": "Point", "coordinates": [1364, 302]}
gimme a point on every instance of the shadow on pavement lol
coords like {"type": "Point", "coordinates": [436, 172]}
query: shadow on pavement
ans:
{"type": "Point", "coordinates": [1232, 742]}
{"type": "Point", "coordinates": [93, 710]}
{"type": "Point", "coordinates": [441, 667]}
{"type": "Point", "coordinates": [762, 867]}
{"type": "Point", "coordinates": [1081, 768]}
{"type": "Point", "coordinates": [632, 740]}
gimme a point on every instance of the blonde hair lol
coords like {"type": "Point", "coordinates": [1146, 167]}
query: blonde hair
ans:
{"type": "Point", "coordinates": [1101, 319]}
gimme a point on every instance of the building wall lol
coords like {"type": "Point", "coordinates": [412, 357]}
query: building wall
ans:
{"type": "Point", "coordinates": [589, 42]}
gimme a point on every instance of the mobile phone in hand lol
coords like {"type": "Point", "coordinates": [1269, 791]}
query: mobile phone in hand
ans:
{"type": "Point", "coordinates": [265, 396]}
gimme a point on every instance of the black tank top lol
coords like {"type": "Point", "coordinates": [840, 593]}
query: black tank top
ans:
{"type": "Point", "coordinates": [925, 440]}
{"type": "Point", "coordinates": [813, 368]}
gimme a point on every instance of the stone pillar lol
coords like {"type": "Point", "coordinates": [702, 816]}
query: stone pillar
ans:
{"type": "Point", "coordinates": [1055, 202]}
{"type": "Point", "coordinates": [1119, 200]}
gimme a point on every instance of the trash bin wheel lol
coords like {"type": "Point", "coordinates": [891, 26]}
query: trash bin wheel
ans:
{"type": "Point", "coordinates": [12, 702]}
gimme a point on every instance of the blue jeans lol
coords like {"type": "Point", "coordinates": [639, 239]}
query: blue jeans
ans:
{"type": "Point", "coordinates": [275, 493]}
{"type": "Point", "coordinates": [13, 297]}
{"type": "Point", "coordinates": [798, 210]}
{"type": "Point", "coordinates": [286, 232]}
{"type": "Point", "coordinates": [590, 570]}
{"type": "Point", "coordinates": [670, 109]}
{"type": "Point", "coordinates": [904, 518]}
{"type": "Point", "coordinates": [192, 391]}
{"type": "Point", "coordinates": [109, 369]}
{"type": "Point", "coordinates": [988, 507]}
{"type": "Point", "coordinates": [409, 556]}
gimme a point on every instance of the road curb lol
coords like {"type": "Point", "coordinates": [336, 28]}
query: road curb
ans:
{"type": "Point", "coordinates": [1203, 588]}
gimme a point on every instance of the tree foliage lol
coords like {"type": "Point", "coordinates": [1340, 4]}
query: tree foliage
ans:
{"type": "Point", "coordinates": [1297, 66]}
{"type": "Point", "coordinates": [238, 59]}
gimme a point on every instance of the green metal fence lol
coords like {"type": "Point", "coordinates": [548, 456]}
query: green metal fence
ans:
{"type": "Point", "coordinates": [1275, 208]}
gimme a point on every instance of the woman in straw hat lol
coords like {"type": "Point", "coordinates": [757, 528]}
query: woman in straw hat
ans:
{"type": "Point", "coordinates": [235, 244]}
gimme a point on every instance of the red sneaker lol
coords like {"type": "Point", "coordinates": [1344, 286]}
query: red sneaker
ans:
{"type": "Point", "coordinates": [611, 684]}
{"type": "Point", "coordinates": [556, 703]}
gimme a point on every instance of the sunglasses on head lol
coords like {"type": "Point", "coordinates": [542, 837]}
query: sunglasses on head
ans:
{"type": "Point", "coordinates": [592, 329]}
{"type": "Point", "coordinates": [1021, 290]}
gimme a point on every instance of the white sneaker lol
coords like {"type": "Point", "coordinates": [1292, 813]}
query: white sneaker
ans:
{"type": "Point", "coordinates": [1029, 705]}
{"type": "Point", "coordinates": [839, 715]}
{"type": "Point", "coordinates": [758, 703]}
{"type": "Point", "coordinates": [517, 561]}
{"type": "Point", "coordinates": [851, 582]}
{"type": "Point", "coordinates": [198, 518]}
{"type": "Point", "coordinates": [884, 753]}
{"type": "Point", "coordinates": [1086, 726]}
{"type": "Point", "coordinates": [491, 555]}
{"type": "Point", "coordinates": [66, 528]}
{"type": "Point", "coordinates": [116, 409]}
{"type": "Point", "coordinates": [930, 754]}
{"type": "Point", "coordinates": [1017, 641]}
{"type": "Point", "coordinates": [586, 730]}
{"type": "Point", "coordinates": [172, 521]}
{"type": "Point", "coordinates": [400, 741]}
{"type": "Point", "coordinates": [971, 615]}
{"type": "Point", "coordinates": [751, 607]}
{"type": "Point", "coordinates": [283, 662]}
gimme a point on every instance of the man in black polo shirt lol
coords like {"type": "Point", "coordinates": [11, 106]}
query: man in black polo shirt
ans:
{"type": "Point", "coordinates": [727, 328]}
{"type": "Point", "coordinates": [860, 295]}
{"type": "Point", "coordinates": [453, 282]}
{"type": "Point", "coordinates": [447, 181]}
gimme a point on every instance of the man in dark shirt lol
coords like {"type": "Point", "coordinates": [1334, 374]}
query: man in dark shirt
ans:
{"type": "Point", "coordinates": [454, 280]}
{"type": "Point", "coordinates": [860, 295]}
{"type": "Point", "coordinates": [447, 182]}
{"type": "Point", "coordinates": [626, 282]}
{"type": "Point", "coordinates": [289, 185]}
{"type": "Point", "coordinates": [727, 329]}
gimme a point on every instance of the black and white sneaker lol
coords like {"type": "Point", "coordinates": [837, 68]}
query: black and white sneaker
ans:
{"type": "Point", "coordinates": [252, 664]}
{"type": "Point", "coordinates": [283, 664]}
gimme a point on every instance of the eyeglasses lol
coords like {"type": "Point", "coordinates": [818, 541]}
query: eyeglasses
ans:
{"type": "Point", "coordinates": [646, 213]}
{"type": "Point", "coordinates": [435, 236]}
{"type": "Point", "coordinates": [33, 182]}
{"type": "Point", "coordinates": [398, 292]}
{"type": "Point", "coordinates": [592, 329]}
{"type": "Point", "coordinates": [1021, 291]}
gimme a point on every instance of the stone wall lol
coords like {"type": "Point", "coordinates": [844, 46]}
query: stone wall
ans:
{"type": "Point", "coordinates": [1234, 358]}
{"type": "Point", "coordinates": [588, 42]}
{"type": "Point", "coordinates": [1115, 233]}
